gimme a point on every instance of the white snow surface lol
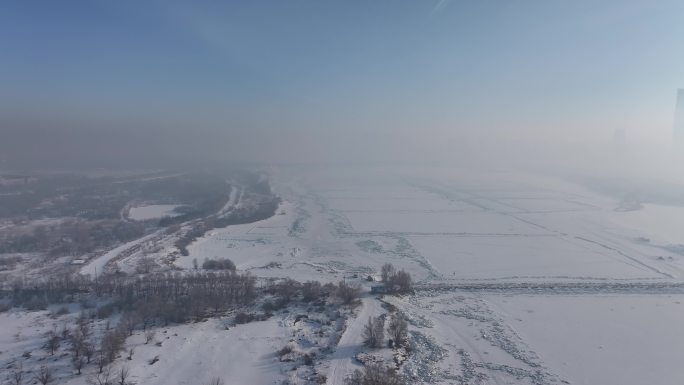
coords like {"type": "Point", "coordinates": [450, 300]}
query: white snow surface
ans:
{"type": "Point", "coordinates": [449, 229]}
{"type": "Point", "coordinates": [495, 229]}
{"type": "Point", "coordinates": [195, 353]}
{"type": "Point", "coordinates": [662, 223]}
{"type": "Point", "coordinates": [143, 213]}
{"type": "Point", "coordinates": [602, 339]}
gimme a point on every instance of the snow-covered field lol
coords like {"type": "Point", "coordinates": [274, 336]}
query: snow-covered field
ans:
{"type": "Point", "coordinates": [192, 354]}
{"type": "Point", "coordinates": [450, 230]}
{"type": "Point", "coordinates": [143, 213]}
{"type": "Point", "coordinates": [248, 246]}
{"type": "Point", "coordinates": [475, 257]}
{"type": "Point", "coordinates": [662, 223]}
{"type": "Point", "coordinates": [489, 228]}
{"type": "Point", "coordinates": [602, 339]}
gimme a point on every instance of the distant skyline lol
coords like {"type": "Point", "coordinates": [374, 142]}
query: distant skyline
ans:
{"type": "Point", "coordinates": [304, 81]}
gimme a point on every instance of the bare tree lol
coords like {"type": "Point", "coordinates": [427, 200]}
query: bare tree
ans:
{"type": "Point", "coordinates": [396, 281]}
{"type": "Point", "coordinates": [88, 350]}
{"type": "Point", "coordinates": [113, 342]}
{"type": "Point", "coordinates": [369, 338]}
{"type": "Point", "coordinates": [65, 331]}
{"type": "Point", "coordinates": [146, 264]}
{"type": "Point", "coordinates": [374, 332]}
{"type": "Point", "coordinates": [52, 343]}
{"type": "Point", "coordinates": [398, 330]}
{"type": "Point", "coordinates": [122, 375]}
{"type": "Point", "coordinates": [386, 271]}
{"type": "Point", "coordinates": [101, 360]}
{"type": "Point", "coordinates": [311, 291]}
{"type": "Point", "coordinates": [83, 325]}
{"type": "Point", "coordinates": [285, 289]}
{"type": "Point", "coordinates": [130, 321]}
{"type": "Point", "coordinates": [76, 341]}
{"type": "Point", "coordinates": [16, 377]}
{"type": "Point", "coordinates": [348, 293]}
{"type": "Point", "coordinates": [104, 377]}
{"type": "Point", "coordinates": [149, 336]}
{"type": "Point", "coordinates": [44, 375]}
{"type": "Point", "coordinates": [78, 362]}
{"type": "Point", "coordinates": [216, 381]}
{"type": "Point", "coordinates": [402, 281]}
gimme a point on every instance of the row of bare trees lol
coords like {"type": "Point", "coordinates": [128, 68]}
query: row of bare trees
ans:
{"type": "Point", "coordinates": [17, 376]}
{"type": "Point", "coordinates": [170, 297]}
{"type": "Point", "coordinates": [44, 376]}
{"type": "Point", "coordinates": [312, 291]}
{"type": "Point", "coordinates": [109, 376]}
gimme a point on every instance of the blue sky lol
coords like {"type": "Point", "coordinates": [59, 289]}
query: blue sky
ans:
{"type": "Point", "coordinates": [328, 71]}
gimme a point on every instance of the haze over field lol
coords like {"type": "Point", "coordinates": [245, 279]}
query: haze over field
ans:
{"type": "Point", "coordinates": [313, 192]}
{"type": "Point", "coordinates": [126, 83]}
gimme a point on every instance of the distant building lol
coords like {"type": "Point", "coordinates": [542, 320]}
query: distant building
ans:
{"type": "Point", "coordinates": [678, 131]}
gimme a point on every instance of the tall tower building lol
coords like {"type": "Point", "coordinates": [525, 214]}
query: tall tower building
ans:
{"type": "Point", "coordinates": [678, 132]}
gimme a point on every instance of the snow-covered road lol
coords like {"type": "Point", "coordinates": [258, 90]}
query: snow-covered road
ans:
{"type": "Point", "coordinates": [342, 361]}
{"type": "Point", "coordinates": [96, 265]}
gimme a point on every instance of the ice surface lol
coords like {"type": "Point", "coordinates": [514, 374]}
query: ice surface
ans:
{"type": "Point", "coordinates": [601, 339]}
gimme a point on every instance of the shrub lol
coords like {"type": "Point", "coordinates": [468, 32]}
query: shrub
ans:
{"type": "Point", "coordinates": [105, 311]}
{"type": "Point", "coordinates": [311, 291]}
{"type": "Point", "coordinates": [270, 306]}
{"type": "Point", "coordinates": [243, 318]}
{"type": "Point", "coordinates": [375, 374]}
{"type": "Point", "coordinates": [61, 311]}
{"type": "Point", "coordinates": [218, 264]}
{"type": "Point", "coordinates": [309, 359]}
{"type": "Point", "coordinates": [36, 303]}
{"type": "Point", "coordinates": [287, 349]}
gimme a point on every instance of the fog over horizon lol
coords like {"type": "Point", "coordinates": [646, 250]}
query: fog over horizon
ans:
{"type": "Point", "coordinates": [573, 86]}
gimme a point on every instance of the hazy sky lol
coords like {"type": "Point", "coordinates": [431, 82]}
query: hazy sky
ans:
{"type": "Point", "coordinates": [320, 80]}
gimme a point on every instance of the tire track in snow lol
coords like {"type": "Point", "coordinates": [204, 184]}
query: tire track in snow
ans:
{"type": "Point", "coordinates": [651, 268]}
